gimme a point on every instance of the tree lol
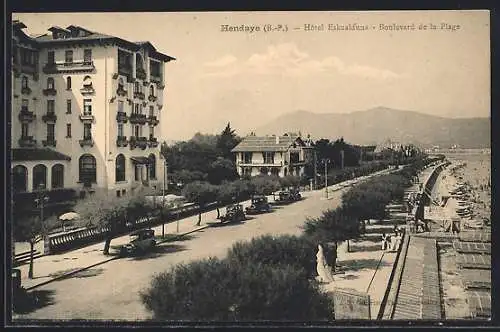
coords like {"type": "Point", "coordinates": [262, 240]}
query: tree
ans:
{"type": "Point", "coordinates": [265, 184]}
{"type": "Point", "coordinates": [226, 194]}
{"type": "Point", "coordinates": [226, 141]}
{"type": "Point", "coordinates": [332, 227]}
{"type": "Point", "coordinates": [200, 193]}
{"type": "Point", "coordinates": [289, 181]}
{"type": "Point", "coordinates": [222, 169]}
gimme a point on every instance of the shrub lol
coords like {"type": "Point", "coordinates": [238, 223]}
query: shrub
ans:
{"type": "Point", "coordinates": [283, 250]}
{"type": "Point", "coordinates": [214, 289]}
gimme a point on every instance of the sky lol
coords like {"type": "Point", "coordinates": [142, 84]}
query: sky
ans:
{"type": "Point", "coordinates": [250, 78]}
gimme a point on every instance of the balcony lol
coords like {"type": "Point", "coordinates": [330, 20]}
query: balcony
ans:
{"type": "Point", "coordinates": [49, 92]}
{"type": "Point", "coordinates": [69, 67]}
{"type": "Point", "coordinates": [155, 78]}
{"type": "Point", "coordinates": [140, 73]}
{"type": "Point", "coordinates": [152, 98]}
{"type": "Point", "coordinates": [121, 141]}
{"type": "Point", "coordinates": [138, 142]}
{"type": "Point", "coordinates": [88, 141]}
{"type": "Point", "coordinates": [26, 91]}
{"type": "Point", "coordinates": [26, 116]}
{"type": "Point", "coordinates": [87, 90]}
{"type": "Point", "coordinates": [49, 142]}
{"type": "Point", "coordinates": [125, 69]}
{"type": "Point", "coordinates": [87, 117]}
{"type": "Point", "coordinates": [153, 120]}
{"type": "Point", "coordinates": [50, 117]}
{"type": "Point", "coordinates": [121, 117]}
{"type": "Point", "coordinates": [27, 142]}
{"type": "Point", "coordinates": [153, 142]}
{"type": "Point", "coordinates": [138, 118]}
{"type": "Point", "coordinates": [139, 95]}
{"type": "Point", "coordinates": [121, 91]}
{"type": "Point", "coordinates": [260, 163]}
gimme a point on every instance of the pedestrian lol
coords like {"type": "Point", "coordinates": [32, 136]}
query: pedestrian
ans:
{"type": "Point", "coordinates": [385, 241]}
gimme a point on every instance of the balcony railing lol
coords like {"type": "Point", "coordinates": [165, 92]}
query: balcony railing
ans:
{"type": "Point", "coordinates": [139, 142]}
{"type": "Point", "coordinates": [152, 98]}
{"type": "Point", "coordinates": [27, 142]}
{"type": "Point", "coordinates": [267, 163]}
{"type": "Point", "coordinates": [139, 95]}
{"type": "Point", "coordinates": [153, 142]}
{"type": "Point", "coordinates": [140, 73]}
{"type": "Point", "coordinates": [75, 66]}
{"type": "Point", "coordinates": [26, 116]}
{"type": "Point", "coordinates": [153, 120]}
{"type": "Point", "coordinates": [49, 92]}
{"type": "Point", "coordinates": [121, 117]}
{"type": "Point", "coordinates": [26, 91]}
{"type": "Point", "coordinates": [138, 118]}
{"type": "Point", "coordinates": [49, 117]}
{"type": "Point", "coordinates": [87, 117]}
{"type": "Point", "coordinates": [155, 78]}
{"type": "Point", "coordinates": [87, 90]}
{"type": "Point", "coordinates": [121, 141]}
{"type": "Point", "coordinates": [49, 142]}
{"type": "Point", "coordinates": [121, 91]}
{"type": "Point", "coordinates": [87, 141]}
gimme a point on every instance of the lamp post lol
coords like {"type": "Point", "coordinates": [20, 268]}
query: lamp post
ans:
{"type": "Point", "coordinates": [40, 200]}
{"type": "Point", "coordinates": [326, 161]}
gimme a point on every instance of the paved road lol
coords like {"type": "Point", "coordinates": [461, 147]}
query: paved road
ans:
{"type": "Point", "coordinates": [111, 291]}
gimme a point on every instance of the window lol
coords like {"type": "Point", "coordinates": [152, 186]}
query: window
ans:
{"type": "Point", "coordinates": [155, 68]}
{"type": "Point", "coordinates": [50, 131]}
{"type": "Point", "coordinates": [68, 106]}
{"type": "Point", "coordinates": [87, 55]}
{"type": "Point", "coordinates": [151, 131]}
{"type": "Point", "coordinates": [24, 82]}
{"type": "Point", "coordinates": [268, 157]}
{"type": "Point", "coordinates": [137, 131]}
{"type": "Point", "coordinates": [68, 56]}
{"type": "Point", "coordinates": [50, 58]}
{"type": "Point", "coordinates": [151, 111]}
{"type": "Point", "coordinates": [152, 90]}
{"type": "Point", "coordinates": [87, 81]}
{"type": "Point", "coordinates": [137, 172]}
{"type": "Point", "coordinates": [121, 84]}
{"type": "Point", "coordinates": [68, 83]}
{"type": "Point", "coordinates": [152, 166]}
{"type": "Point", "coordinates": [275, 171]}
{"type": "Point", "coordinates": [247, 157]}
{"type": "Point", "coordinates": [19, 178]}
{"type": "Point", "coordinates": [120, 106]}
{"type": "Point", "coordinates": [124, 192]}
{"type": "Point", "coordinates": [68, 130]}
{"type": "Point", "coordinates": [137, 87]}
{"type": "Point", "coordinates": [57, 176]}
{"type": "Point", "coordinates": [24, 130]}
{"type": "Point", "coordinates": [118, 193]}
{"type": "Point", "coordinates": [87, 106]}
{"type": "Point", "coordinates": [136, 109]}
{"type": "Point", "coordinates": [87, 169]}
{"type": "Point", "coordinates": [24, 104]}
{"type": "Point", "coordinates": [120, 130]}
{"type": "Point", "coordinates": [120, 168]}
{"type": "Point", "coordinates": [39, 176]}
{"type": "Point", "coordinates": [50, 83]}
{"type": "Point", "coordinates": [50, 106]}
{"type": "Point", "coordinates": [87, 131]}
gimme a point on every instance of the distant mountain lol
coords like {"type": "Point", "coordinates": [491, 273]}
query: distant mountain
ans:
{"type": "Point", "coordinates": [378, 124]}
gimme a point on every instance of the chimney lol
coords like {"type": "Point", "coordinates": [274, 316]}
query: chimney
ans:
{"type": "Point", "coordinates": [277, 139]}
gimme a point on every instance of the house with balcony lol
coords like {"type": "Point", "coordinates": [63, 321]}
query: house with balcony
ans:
{"type": "Point", "coordinates": [86, 111]}
{"type": "Point", "coordinates": [283, 155]}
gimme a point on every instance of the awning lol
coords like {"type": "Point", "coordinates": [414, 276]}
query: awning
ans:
{"type": "Point", "coordinates": [140, 160]}
{"type": "Point", "coordinates": [34, 154]}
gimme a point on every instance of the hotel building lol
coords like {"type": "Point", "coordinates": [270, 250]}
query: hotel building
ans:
{"type": "Point", "coordinates": [86, 109]}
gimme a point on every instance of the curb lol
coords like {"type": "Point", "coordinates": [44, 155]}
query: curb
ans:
{"type": "Point", "coordinates": [105, 261]}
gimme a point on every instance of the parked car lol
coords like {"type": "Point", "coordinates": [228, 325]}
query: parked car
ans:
{"type": "Point", "coordinates": [140, 242]}
{"type": "Point", "coordinates": [234, 212]}
{"type": "Point", "coordinates": [287, 196]}
{"type": "Point", "coordinates": [259, 205]}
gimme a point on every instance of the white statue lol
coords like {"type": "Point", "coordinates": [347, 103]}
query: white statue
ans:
{"type": "Point", "coordinates": [324, 271]}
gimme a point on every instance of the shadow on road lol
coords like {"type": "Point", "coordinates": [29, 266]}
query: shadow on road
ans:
{"type": "Point", "coordinates": [81, 274]}
{"type": "Point", "coordinates": [27, 302]}
{"type": "Point", "coordinates": [360, 264]}
{"type": "Point", "coordinates": [365, 247]}
{"type": "Point", "coordinates": [232, 223]}
{"type": "Point", "coordinates": [159, 250]}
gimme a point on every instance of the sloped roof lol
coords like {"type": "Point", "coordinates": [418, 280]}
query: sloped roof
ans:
{"type": "Point", "coordinates": [268, 143]}
{"type": "Point", "coordinates": [33, 154]}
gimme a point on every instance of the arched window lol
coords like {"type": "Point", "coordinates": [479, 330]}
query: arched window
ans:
{"type": "Point", "coordinates": [68, 83]}
{"type": "Point", "coordinates": [24, 82]}
{"type": "Point", "coordinates": [87, 81]}
{"type": "Point", "coordinates": [87, 169]}
{"type": "Point", "coordinates": [39, 176]}
{"type": "Point", "coordinates": [152, 166]}
{"type": "Point", "coordinates": [120, 168]}
{"type": "Point", "coordinates": [151, 90]}
{"type": "Point", "coordinates": [50, 83]}
{"type": "Point", "coordinates": [19, 178]}
{"type": "Point", "coordinates": [137, 87]}
{"type": "Point", "coordinates": [57, 176]}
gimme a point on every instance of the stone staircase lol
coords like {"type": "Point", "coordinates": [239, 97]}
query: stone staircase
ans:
{"type": "Point", "coordinates": [24, 257]}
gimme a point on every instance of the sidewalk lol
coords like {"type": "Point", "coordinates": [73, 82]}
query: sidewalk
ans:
{"type": "Point", "coordinates": [50, 267]}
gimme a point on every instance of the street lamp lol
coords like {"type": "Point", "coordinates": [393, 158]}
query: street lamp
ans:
{"type": "Point", "coordinates": [40, 202]}
{"type": "Point", "coordinates": [326, 161]}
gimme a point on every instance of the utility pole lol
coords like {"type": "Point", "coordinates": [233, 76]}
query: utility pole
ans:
{"type": "Point", "coordinates": [341, 159]}
{"type": "Point", "coordinates": [315, 170]}
{"type": "Point", "coordinates": [163, 197]}
{"type": "Point", "coordinates": [40, 201]}
{"type": "Point", "coordinates": [326, 161]}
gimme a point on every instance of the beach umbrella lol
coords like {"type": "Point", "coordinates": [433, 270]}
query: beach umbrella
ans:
{"type": "Point", "coordinates": [69, 216]}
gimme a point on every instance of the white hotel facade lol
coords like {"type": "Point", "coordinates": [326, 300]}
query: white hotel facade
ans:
{"type": "Point", "coordinates": [86, 109]}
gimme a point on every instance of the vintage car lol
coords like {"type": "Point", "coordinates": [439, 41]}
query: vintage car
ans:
{"type": "Point", "coordinates": [234, 212]}
{"type": "Point", "coordinates": [259, 205]}
{"type": "Point", "coordinates": [287, 196]}
{"type": "Point", "coordinates": [140, 242]}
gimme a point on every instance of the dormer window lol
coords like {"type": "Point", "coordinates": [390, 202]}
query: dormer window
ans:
{"type": "Point", "coordinates": [50, 83]}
